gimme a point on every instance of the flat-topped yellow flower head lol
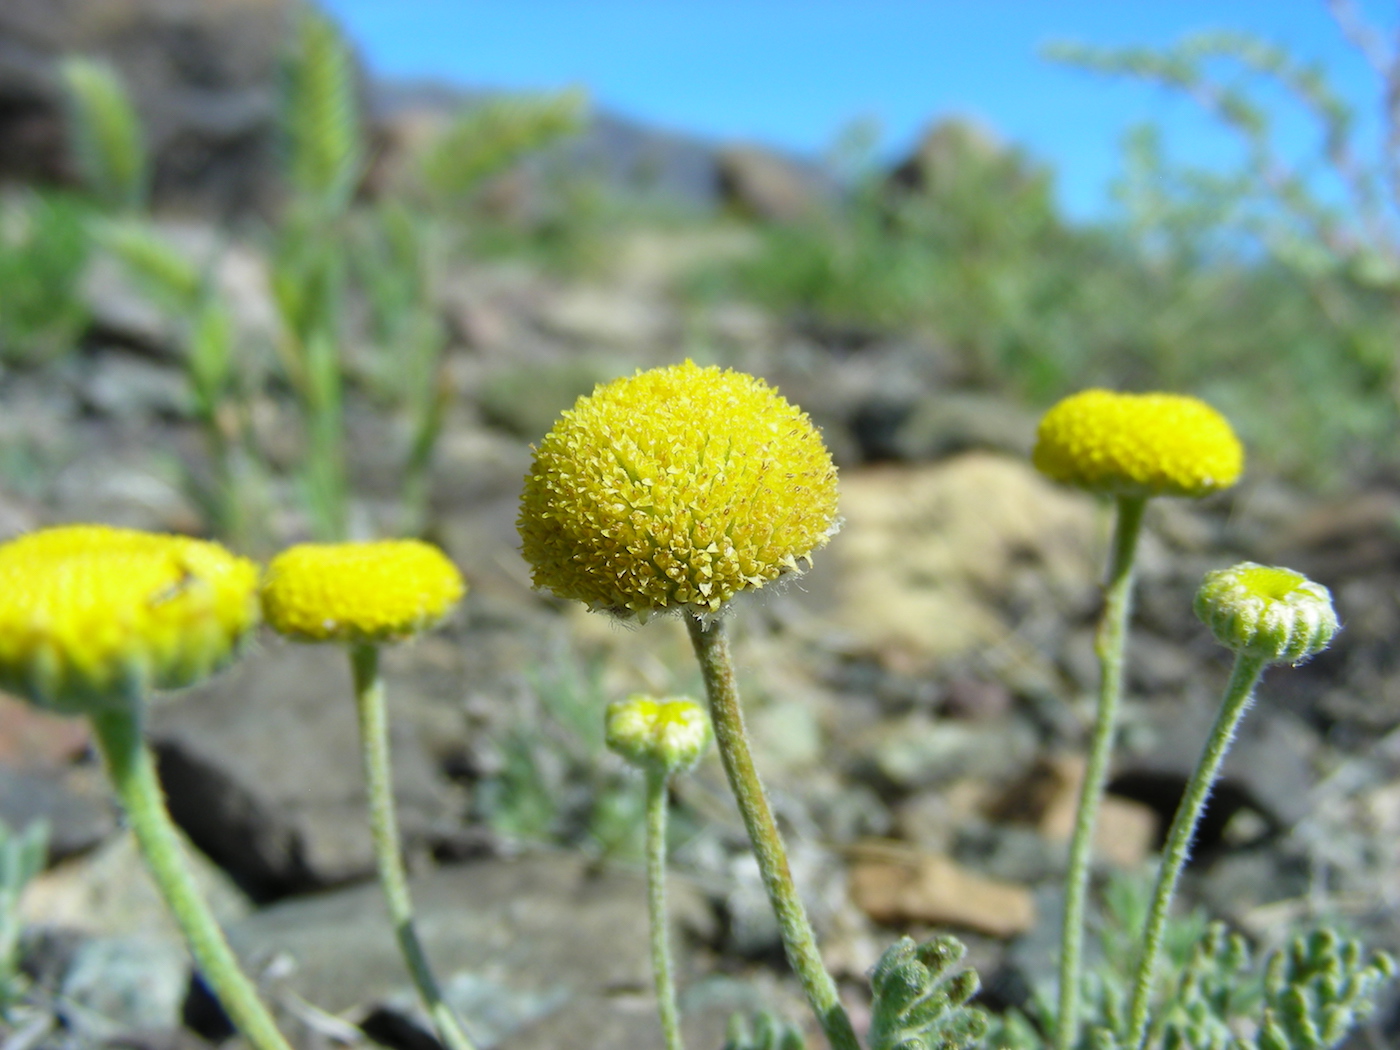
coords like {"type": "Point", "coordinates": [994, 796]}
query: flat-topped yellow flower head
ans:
{"type": "Point", "coordinates": [378, 591]}
{"type": "Point", "coordinates": [93, 616]}
{"type": "Point", "coordinates": [1138, 445]}
{"type": "Point", "coordinates": [675, 488]}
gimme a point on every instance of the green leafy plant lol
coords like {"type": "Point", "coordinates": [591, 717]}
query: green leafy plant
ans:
{"type": "Point", "coordinates": [22, 856]}
{"type": "Point", "coordinates": [767, 1032]}
{"type": "Point", "coordinates": [44, 250]}
{"type": "Point", "coordinates": [921, 998]}
{"type": "Point", "coordinates": [105, 135]}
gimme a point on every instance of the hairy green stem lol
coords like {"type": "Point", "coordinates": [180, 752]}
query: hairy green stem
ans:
{"type": "Point", "coordinates": [1238, 695]}
{"type": "Point", "coordinates": [712, 650]}
{"type": "Point", "coordinates": [374, 740]}
{"type": "Point", "coordinates": [661, 966]}
{"type": "Point", "coordinates": [1109, 644]}
{"type": "Point", "coordinates": [133, 775]}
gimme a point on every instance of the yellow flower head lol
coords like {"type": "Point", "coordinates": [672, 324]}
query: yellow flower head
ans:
{"type": "Point", "coordinates": [1138, 445]}
{"type": "Point", "coordinates": [676, 487]}
{"type": "Point", "coordinates": [92, 616]}
{"type": "Point", "coordinates": [665, 735]}
{"type": "Point", "coordinates": [381, 591]}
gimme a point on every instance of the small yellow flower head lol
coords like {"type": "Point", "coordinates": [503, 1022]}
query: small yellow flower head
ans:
{"type": "Point", "coordinates": [676, 487]}
{"type": "Point", "coordinates": [1138, 445]}
{"type": "Point", "coordinates": [93, 616]}
{"type": "Point", "coordinates": [381, 591]}
{"type": "Point", "coordinates": [1275, 614]}
{"type": "Point", "coordinates": [665, 736]}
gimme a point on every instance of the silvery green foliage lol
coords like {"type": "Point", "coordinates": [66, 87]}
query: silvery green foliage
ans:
{"type": "Point", "coordinates": [769, 1032]}
{"type": "Point", "coordinates": [920, 998]}
{"type": "Point", "coordinates": [1309, 996]}
{"type": "Point", "coordinates": [22, 856]}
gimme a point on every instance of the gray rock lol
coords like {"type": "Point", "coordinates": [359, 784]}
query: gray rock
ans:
{"type": "Point", "coordinates": [262, 768]}
{"type": "Point", "coordinates": [538, 952]}
{"type": "Point", "coordinates": [127, 984]}
{"type": "Point", "coordinates": [123, 386]}
{"type": "Point", "coordinates": [764, 185]}
{"type": "Point", "coordinates": [918, 751]}
{"type": "Point", "coordinates": [75, 808]}
{"type": "Point", "coordinates": [203, 78]}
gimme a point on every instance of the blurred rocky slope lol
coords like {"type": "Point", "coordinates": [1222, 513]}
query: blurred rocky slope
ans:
{"type": "Point", "coordinates": [918, 699]}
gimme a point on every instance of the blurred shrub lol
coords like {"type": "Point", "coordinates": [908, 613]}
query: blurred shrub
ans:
{"type": "Point", "coordinates": [965, 245]}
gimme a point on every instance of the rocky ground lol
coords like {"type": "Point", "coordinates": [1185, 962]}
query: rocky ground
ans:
{"type": "Point", "coordinates": [918, 701]}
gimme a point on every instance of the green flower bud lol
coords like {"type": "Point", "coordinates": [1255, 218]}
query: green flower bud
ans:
{"type": "Point", "coordinates": [659, 735]}
{"type": "Point", "coordinates": [1266, 612]}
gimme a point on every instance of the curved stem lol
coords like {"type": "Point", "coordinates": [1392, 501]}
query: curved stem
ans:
{"type": "Point", "coordinates": [661, 967]}
{"type": "Point", "coordinates": [1112, 635]}
{"type": "Point", "coordinates": [717, 669]}
{"type": "Point", "coordinates": [133, 774]}
{"type": "Point", "coordinates": [1238, 695]}
{"type": "Point", "coordinates": [374, 740]}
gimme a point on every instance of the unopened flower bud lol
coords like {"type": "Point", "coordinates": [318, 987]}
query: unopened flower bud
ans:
{"type": "Point", "coordinates": [660, 735]}
{"type": "Point", "coordinates": [1266, 612]}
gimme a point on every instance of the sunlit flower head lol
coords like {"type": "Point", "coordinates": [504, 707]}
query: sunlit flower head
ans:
{"type": "Point", "coordinates": [377, 591]}
{"type": "Point", "coordinates": [675, 488]}
{"type": "Point", "coordinates": [93, 616]}
{"type": "Point", "coordinates": [1138, 445]}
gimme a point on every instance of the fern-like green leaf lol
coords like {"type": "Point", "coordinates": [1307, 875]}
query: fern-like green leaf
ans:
{"type": "Point", "coordinates": [769, 1032]}
{"type": "Point", "coordinates": [920, 998]}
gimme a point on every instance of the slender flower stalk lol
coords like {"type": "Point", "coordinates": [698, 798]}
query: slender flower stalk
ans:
{"type": "Point", "coordinates": [662, 967]}
{"type": "Point", "coordinates": [1238, 695]}
{"type": "Point", "coordinates": [1109, 646]}
{"type": "Point", "coordinates": [132, 772]}
{"type": "Point", "coordinates": [799, 942]}
{"type": "Point", "coordinates": [374, 741]}
{"type": "Point", "coordinates": [1265, 615]}
{"type": "Point", "coordinates": [662, 738]}
{"type": "Point", "coordinates": [1131, 447]}
{"type": "Point", "coordinates": [363, 595]}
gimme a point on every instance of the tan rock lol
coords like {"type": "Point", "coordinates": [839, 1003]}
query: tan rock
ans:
{"type": "Point", "coordinates": [929, 556]}
{"type": "Point", "coordinates": [1126, 831]}
{"type": "Point", "coordinates": [895, 885]}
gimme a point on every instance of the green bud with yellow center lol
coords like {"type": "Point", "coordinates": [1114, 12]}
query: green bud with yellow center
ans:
{"type": "Point", "coordinates": [1269, 613]}
{"type": "Point", "coordinates": [91, 616]}
{"type": "Point", "coordinates": [377, 591]}
{"type": "Point", "coordinates": [666, 736]}
{"type": "Point", "coordinates": [1138, 445]}
{"type": "Point", "coordinates": [675, 488]}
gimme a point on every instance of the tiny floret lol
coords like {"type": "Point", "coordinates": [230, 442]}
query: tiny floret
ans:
{"type": "Point", "coordinates": [91, 617]}
{"type": "Point", "coordinates": [378, 591]}
{"type": "Point", "coordinates": [1138, 445]}
{"type": "Point", "coordinates": [675, 488]}
{"type": "Point", "coordinates": [1268, 613]}
{"type": "Point", "coordinates": [666, 736]}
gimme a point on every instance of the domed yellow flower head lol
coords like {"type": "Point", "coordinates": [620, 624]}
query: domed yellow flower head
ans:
{"type": "Point", "coordinates": [92, 616]}
{"type": "Point", "coordinates": [380, 591]}
{"type": "Point", "coordinates": [1138, 445]}
{"type": "Point", "coordinates": [677, 487]}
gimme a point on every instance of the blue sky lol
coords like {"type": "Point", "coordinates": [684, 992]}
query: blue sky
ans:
{"type": "Point", "coordinates": [793, 73]}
